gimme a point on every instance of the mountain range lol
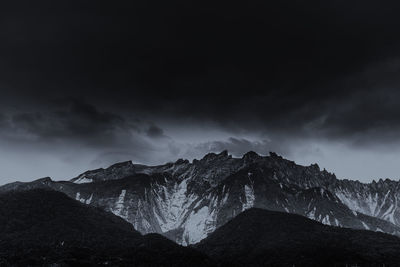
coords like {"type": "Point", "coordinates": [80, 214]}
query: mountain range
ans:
{"type": "Point", "coordinates": [187, 201]}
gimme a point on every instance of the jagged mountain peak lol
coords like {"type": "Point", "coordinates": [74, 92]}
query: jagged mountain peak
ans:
{"type": "Point", "coordinates": [315, 167]}
{"type": "Point", "coordinates": [216, 156]}
{"type": "Point", "coordinates": [388, 182]}
{"type": "Point", "coordinates": [181, 161]}
{"type": "Point", "coordinates": [115, 171]}
{"type": "Point", "coordinates": [275, 155]}
{"type": "Point", "coordinates": [21, 186]}
{"type": "Point", "coordinates": [212, 161]}
{"type": "Point", "coordinates": [44, 179]}
{"type": "Point", "coordinates": [251, 156]}
{"type": "Point", "coordinates": [127, 163]}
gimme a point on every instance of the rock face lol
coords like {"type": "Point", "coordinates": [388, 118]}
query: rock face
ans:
{"type": "Point", "coordinates": [186, 201]}
{"type": "Point", "coordinates": [259, 237]}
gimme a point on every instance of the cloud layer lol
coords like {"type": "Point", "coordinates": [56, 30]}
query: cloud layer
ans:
{"type": "Point", "coordinates": [84, 84]}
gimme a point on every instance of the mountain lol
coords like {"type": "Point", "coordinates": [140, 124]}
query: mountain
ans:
{"type": "Point", "coordinates": [47, 228]}
{"type": "Point", "coordinates": [259, 237]}
{"type": "Point", "coordinates": [186, 201]}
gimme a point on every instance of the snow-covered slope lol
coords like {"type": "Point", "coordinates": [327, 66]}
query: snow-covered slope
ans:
{"type": "Point", "coordinates": [187, 201]}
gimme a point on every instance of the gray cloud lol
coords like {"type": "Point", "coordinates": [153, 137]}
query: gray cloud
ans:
{"type": "Point", "coordinates": [77, 121]}
{"type": "Point", "coordinates": [155, 132]}
{"type": "Point", "coordinates": [308, 77]}
{"type": "Point", "coordinates": [88, 86]}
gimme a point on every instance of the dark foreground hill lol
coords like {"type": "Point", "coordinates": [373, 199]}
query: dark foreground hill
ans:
{"type": "Point", "coordinates": [43, 227]}
{"type": "Point", "coordinates": [259, 237]}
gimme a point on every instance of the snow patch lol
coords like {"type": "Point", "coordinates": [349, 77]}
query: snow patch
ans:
{"type": "Point", "coordinates": [172, 205]}
{"type": "Point", "coordinates": [326, 220]}
{"type": "Point", "coordinates": [119, 205]}
{"type": "Point", "coordinates": [250, 197]}
{"type": "Point", "coordinates": [365, 225]}
{"type": "Point", "coordinates": [83, 180]}
{"type": "Point", "coordinates": [389, 214]}
{"type": "Point", "coordinates": [337, 222]}
{"type": "Point", "coordinates": [198, 225]}
{"type": "Point", "coordinates": [311, 214]}
{"type": "Point", "coordinates": [89, 200]}
{"type": "Point", "coordinates": [286, 209]}
{"type": "Point", "coordinates": [83, 200]}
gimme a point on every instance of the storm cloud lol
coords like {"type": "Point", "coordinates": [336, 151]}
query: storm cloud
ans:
{"type": "Point", "coordinates": [88, 83]}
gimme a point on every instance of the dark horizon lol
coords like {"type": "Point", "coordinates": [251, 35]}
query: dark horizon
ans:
{"type": "Point", "coordinates": [87, 84]}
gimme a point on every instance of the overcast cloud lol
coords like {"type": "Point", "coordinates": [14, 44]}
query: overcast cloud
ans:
{"type": "Point", "coordinates": [85, 84]}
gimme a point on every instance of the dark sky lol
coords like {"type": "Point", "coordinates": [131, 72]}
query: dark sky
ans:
{"type": "Point", "coordinates": [85, 84]}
